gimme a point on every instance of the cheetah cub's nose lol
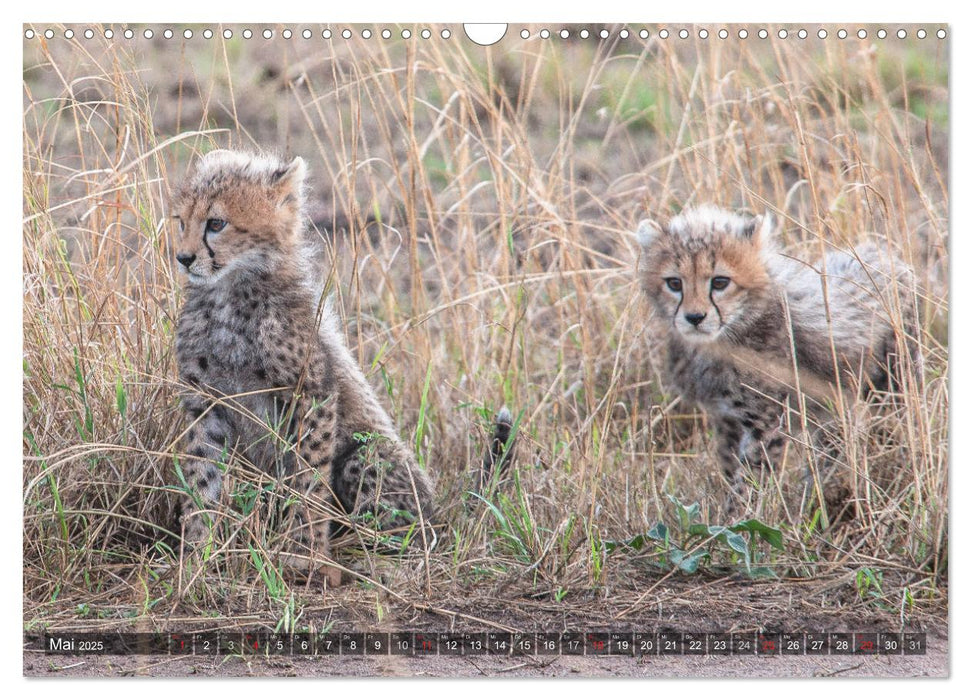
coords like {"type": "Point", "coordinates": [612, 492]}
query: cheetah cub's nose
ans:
{"type": "Point", "coordinates": [694, 319]}
{"type": "Point", "coordinates": [186, 259]}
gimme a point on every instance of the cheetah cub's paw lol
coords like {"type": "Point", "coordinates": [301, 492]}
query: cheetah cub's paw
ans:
{"type": "Point", "coordinates": [297, 568]}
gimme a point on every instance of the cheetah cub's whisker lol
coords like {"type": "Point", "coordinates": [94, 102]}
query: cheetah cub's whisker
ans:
{"type": "Point", "coordinates": [269, 376]}
{"type": "Point", "coordinates": [743, 326]}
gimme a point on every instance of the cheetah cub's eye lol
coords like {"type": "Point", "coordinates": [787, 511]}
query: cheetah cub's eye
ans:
{"type": "Point", "coordinates": [674, 283]}
{"type": "Point", "coordinates": [215, 225]}
{"type": "Point", "coordinates": [720, 283]}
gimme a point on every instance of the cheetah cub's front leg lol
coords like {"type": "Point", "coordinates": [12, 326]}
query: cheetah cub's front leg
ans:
{"type": "Point", "coordinates": [207, 438]}
{"type": "Point", "coordinates": [316, 419]}
{"type": "Point", "coordinates": [293, 359]}
{"type": "Point", "coordinates": [748, 442]}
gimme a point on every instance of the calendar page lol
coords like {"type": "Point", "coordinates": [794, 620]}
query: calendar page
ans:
{"type": "Point", "coordinates": [503, 350]}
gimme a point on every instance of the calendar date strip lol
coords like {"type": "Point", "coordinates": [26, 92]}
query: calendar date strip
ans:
{"type": "Point", "coordinates": [633, 644]}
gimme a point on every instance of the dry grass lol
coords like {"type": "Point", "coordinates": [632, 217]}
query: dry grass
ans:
{"type": "Point", "coordinates": [475, 209]}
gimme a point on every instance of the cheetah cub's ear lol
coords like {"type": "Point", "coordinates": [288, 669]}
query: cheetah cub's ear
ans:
{"type": "Point", "coordinates": [761, 229]}
{"type": "Point", "coordinates": [287, 182]}
{"type": "Point", "coordinates": [647, 232]}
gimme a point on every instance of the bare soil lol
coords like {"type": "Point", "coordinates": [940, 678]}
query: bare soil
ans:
{"type": "Point", "coordinates": [934, 665]}
{"type": "Point", "coordinates": [677, 605]}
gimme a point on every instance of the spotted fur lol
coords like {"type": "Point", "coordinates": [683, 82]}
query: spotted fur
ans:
{"type": "Point", "coordinates": [268, 375]}
{"type": "Point", "coordinates": [741, 324]}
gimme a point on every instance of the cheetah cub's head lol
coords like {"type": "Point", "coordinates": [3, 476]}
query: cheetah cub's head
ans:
{"type": "Point", "coordinates": [237, 211]}
{"type": "Point", "coordinates": [707, 271]}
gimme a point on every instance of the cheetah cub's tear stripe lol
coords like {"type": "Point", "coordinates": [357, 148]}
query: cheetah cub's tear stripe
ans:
{"type": "Point", "coordinates": [742, 325]}
{"type": "Point", "coordinates": [267, 379]}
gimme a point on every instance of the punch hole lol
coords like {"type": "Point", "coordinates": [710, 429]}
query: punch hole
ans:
{"type": "Point", "coordinates": [227, 33]}
{"type": "Point", "coordinates": [802, 34]}
{"type": "Point", "coordinates": [446, 33]}
{"type": "Point", "coordinates": [604, 33]}
{"type": "Point", "coordinates": [941, 34]}
{"type": "Point", "coordinates": [287, 34]}
{"type": "Point", "coordinates": [49, 34]}
{"type": "Point", "coordinates": [109, 34]}
{"type": "Point", "coordinates": [29, 34]}
{"type": "Point", "coordinates": [267, 33]}
{"type": "Point", "coordinates": [881, 33]}
{"type": "Point", "coordinates": [405, 33]}
{"type": "Point", "coordinates": [207, 34]}
{"type": "Point", "coordinates": [763, 34]}
{"type": "Point", "coordinates": [564, 33]}
{"type": "Point", "coordinates": [901, 33]}
{"type": "Point", "coordinates": [624, 33]}
{"type": "Point", "coordinates": [346, 34]}
{"type": "Point", "coordinates": [89, 34]}
{"type": "Point", "coordinates": [643, 34]}
{"type": "Point", "coordinates": [783, 33]}
{"type": "Point", "coordinates": [426, 34]}
{"type": "Point", "coordinates": [487, 34]}
{"type": "Point", "coordinates": [326, 34]}
{"type": "Point", "coordinates": [683, 34]}
{"type": "Point", "coordinates": [68, 33]}
{"type": "Point", "coordinates": [247, 33]}
{"type": "Point", "coordinates": [822, 34]}
{"type": "Point", "coordinates": [842, 34]}
{"type": "Point", "coordinates": [168, 34]}
{"type": "Point", "coordinates": [524, 34]}
{"type": "Point", "coordinates": [148, 34]}
{"type": "Point", "coordinates": [366, 34]}
{"type": "Point", "coordinates": [385, 33]}
{"type": "Point", "coordinates": [129, 34]}
{"type": "Point", "coordinates": [187, 34]}
{"type": "Point", "coordinates": [921, 34]}
{"type": "Point", "coordinates": [584, 34]}
{"type": "Point", "coordinates": [544, 34]}
{"type": "Point", "coordinates": [703, 33]}
{"type": "Point", "coordinates": [722, 33]}
{"type": "Point", "coordinates": [743, 33]}
{"type": "Point", "coordinates": [861, 34]}
{"type": "Point", "coordinates": [664, 33]}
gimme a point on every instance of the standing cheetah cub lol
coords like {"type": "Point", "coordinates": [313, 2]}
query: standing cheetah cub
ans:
{"type": "Point", "coordinates": [742, 324]}
{"type": "Point", "coordinates": [270, 378]}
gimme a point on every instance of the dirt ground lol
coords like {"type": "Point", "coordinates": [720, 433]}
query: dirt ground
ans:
{"type": "Point", "coordinates": [676, 605]}
{"type": "Point", "coordinates": [934, 664]}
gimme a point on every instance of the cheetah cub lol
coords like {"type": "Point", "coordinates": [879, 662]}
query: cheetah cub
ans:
{"type": "Point", "coordinates": [270, 378]}
{"type": "Point", "coordinates": [741, 324]}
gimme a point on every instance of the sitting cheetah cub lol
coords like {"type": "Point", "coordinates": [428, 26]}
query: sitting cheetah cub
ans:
{"type": "Point", "coordinates": [742, 324]}
{"type": "Point", "coordinates": [269, 375]}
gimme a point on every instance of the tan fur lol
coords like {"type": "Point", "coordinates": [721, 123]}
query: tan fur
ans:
{"type": "Point", "coordinates": [269, 375]}
{"type": "Point", "coordinates": [739, 351]}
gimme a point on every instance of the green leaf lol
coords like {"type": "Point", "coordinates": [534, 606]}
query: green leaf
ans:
{"type": "Point", "coordinates": [687, 563]}
{"type": "Point", "coordinates": [736, 542]}
{"type": "Point", "coordinates": [659, 532]}
{"type": "Point", "coordinates": [770, 534]}
{"type": "Point", "coordinates": [698, 530]}
{"type": "Point", "coordinates": [121, 397]}
{"type": "Point", "coordinates": [686, 514]}
{"type": "Point", "coordinates": [635, 543]}
{"type": "Point", "coordinates": [421, 427]}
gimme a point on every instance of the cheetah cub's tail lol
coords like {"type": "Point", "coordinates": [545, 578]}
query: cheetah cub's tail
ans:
{"type": "Point", "coordinates": [498, 454]}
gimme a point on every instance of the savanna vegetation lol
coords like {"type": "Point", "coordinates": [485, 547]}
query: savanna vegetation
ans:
{"type": "Point", "coordinates": [474, 210]}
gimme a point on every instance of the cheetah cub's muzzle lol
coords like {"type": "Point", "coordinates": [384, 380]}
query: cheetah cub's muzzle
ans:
{"type": "Point", "coordinates": [703, 272]}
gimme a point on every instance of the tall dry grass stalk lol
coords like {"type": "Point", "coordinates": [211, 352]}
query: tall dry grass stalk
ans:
{"type": "Point", "coordinates": [474, 210]}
